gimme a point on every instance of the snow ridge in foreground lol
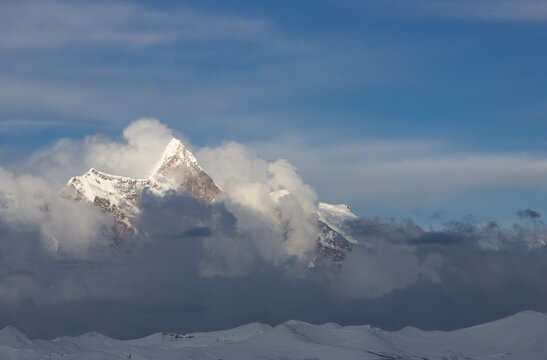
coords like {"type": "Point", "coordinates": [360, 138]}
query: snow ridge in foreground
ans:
{"type": "Point", "coordinates": [521, 336]}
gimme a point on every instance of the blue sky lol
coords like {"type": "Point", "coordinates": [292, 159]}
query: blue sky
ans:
{"type": "Point", "coordinates": [397, 108]}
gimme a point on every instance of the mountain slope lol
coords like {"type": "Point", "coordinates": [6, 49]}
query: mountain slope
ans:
{"type": "Point", "coordinates": [178, 169]}
{"type": "Point", "coordinates": [521, 336]}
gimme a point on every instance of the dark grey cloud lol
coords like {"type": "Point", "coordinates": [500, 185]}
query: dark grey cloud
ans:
{"type": "Point", "coordinates": [528, 213]}
{"type": "Point", "coordinates": [156, 285]}
{"type": "Point", "coordinates": [400, 275]}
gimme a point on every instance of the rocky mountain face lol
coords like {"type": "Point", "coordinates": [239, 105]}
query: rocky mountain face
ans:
{"type": "Point", "coordinates": [115, 195]}
{"type": "Point", "coordinates": [331, 244]}
{"type": "Point", "coordinates": [178, 170]}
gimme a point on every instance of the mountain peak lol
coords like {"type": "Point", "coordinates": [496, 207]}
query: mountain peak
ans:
{"type": "Point", "coordinates": [174, 155]}
{"type": "Point", "coordinates": [9, 329]}
{"type": "Point", "coordinates": [13, 337]}
{"type": "Point", "coordinates": [178, 169]}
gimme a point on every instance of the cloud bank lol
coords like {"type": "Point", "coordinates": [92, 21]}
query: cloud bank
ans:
{"type": "Point", "coordinates": [200, 266]}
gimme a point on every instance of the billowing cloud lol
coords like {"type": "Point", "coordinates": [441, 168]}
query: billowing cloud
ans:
{"type": "Point", "coordinates": [134, 155]}
{"type": "Point", "coordinates": [273, 189]}
{"type": "Point", "coordinates": [30, 202]}
{"type": "Point", "coordinates": [144, 142]}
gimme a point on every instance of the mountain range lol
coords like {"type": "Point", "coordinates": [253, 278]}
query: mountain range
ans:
{"type": "Point", "coordinates": [521, 336]}
{"type": "Point", "coordinates": [178, 171]}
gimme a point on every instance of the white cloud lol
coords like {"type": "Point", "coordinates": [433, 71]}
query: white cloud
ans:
{"type": "Point", "coordinates": [30, 201]}
{"type": "Point", "coordinates": [406, 171]}
{"type": "Point", "coordinates": [144, 142]}
{"type": "Point", "coordinates": [273, 189]}
{"type": "Point", "coordinates": [134, 155]}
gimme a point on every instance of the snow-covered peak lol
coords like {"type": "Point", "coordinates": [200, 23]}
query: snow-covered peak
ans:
{"type": "Point", "coordinates": [175, 155]}
{"type": "Point", "coordinates": [340, 210]}
{"type": "Point", "coordinates": [179, 170]}
{"type": "Point", "coordinates": [13, 337]}
{"type": "Point", "coordinates": [176, 170]}
{"type": "Point", "coordinates": [337, 216]}
{"type": "Point", "coordinates": [114, 188]}
{"type": "Point", "coordinates": [11, 331]}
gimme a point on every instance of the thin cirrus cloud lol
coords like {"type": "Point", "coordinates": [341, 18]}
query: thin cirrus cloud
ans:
{"type": "Point", "coordinates": [19, 125]}
{"type": "Point", "coordinates": [51, 24]}
{"type": "Point", "coordinates": [224, 67]}
{"type": "Point", "coordinates": [34, 98]}
{"type": "Point", "coordinates": [406, 170]}
{"type": "Point", "coordinates": [528, 11]}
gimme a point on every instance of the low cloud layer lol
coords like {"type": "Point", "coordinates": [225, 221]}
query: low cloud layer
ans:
{"type": "Point", "coordinates": [200, 266]}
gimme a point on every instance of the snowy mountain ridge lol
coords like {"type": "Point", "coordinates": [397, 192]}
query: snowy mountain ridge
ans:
{"type": "Point", "coordinates": [520, 336]}
{"type": "Point", "coordinates": [118, 196]}
{"type": "Point", "coordinates": [178, 170]}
